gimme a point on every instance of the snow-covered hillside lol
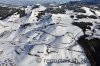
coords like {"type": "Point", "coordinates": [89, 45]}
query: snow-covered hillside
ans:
{"type": "Point", "coordinates": [29, 41]}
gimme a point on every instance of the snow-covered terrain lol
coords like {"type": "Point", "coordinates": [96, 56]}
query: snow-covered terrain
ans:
{"type": "Point", "coordinates": [28, 41]}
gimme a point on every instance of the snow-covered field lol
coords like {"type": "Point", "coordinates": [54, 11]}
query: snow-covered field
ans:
{"type": "Point", "coordinates": [27, 41]}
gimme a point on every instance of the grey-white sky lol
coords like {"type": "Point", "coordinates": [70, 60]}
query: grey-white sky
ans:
{"type": "Point", "coordinates": [30, 1]}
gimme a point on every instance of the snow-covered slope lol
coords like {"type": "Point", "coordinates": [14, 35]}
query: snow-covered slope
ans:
{"type": "Point", "coordinates": [88, 12]}
{"type": "Point", "coordinates": [27, 41]}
